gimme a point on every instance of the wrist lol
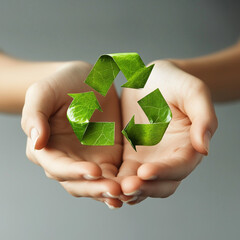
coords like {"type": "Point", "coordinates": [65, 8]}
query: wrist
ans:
{"type": "Point", "coordinates": [14, 84]}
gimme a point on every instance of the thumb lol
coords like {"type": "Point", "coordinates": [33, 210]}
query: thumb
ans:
{"type": "Point", "coordinates": [199, 108]}
{"type": "Point", "coordinates": [39, 105]}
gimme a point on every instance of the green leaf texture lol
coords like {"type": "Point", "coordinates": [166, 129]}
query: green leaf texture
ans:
{"type": "Point", "coordinates": [89, 133]}
{"type": "Point", "coordinates": [101, 78]}
{"type": "Point", "coordinates": [108, 66]}
{"type": "Point", "coordinates": [159, 116]}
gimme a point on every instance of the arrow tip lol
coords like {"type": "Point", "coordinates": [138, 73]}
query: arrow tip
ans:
{"type": "Point", "coordinates": [127, 132]}
{"type": "Point", "coordinates": [151, 67]}
{"type": "Point", "coordinates": [72, 95]}
{"type": "Point", "coordinates": [139, 78]}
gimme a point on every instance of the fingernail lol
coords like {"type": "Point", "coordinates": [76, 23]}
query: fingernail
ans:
{"type": "Point", "coordinates": [135, 193]}
{"type": "Point", "coordinates": [131, 199]}
{"type": "Point", "coordinates": [90, 177]}
{"type": "Point", "coordinates": [207, 138]}
{"type": "Point", "coordinates": [110, 206]}
{"type": "Point", "coordinates": [109, 195]}
{"type": "Point", "coordinates": [34, 137]}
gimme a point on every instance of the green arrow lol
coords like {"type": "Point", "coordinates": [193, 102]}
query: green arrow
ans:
{"type": "Point", "coordinates": [108, 66]}
{"type": "Point", "coordinates": [79, 113]}
{"type": "Point", "coordinates": [101, 78]}
{"type": "Point", "coordinates": [159, 116]}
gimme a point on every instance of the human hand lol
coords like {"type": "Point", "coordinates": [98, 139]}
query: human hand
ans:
{"type": "Point", "coordinates": [157, 171]}
{"type": "Point", "coordinates": [84, 171]}
{"type": "Point", "coordinates": [169, 162]}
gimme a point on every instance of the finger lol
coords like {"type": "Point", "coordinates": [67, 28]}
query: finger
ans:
{"type": "Point", "coordinates": [131, 186]}
{"type": "Point", "coordinates": [158, 189]}
{"type": "Point", "coordinates": [137, 200]}
{"type": "Point", "coordinates": [63, 168]}
{"type": "Point", "coordinates": [39, 105]}
{"type": "Point", "coordinates": [108, 170]}
{"type": "Point", "coordinates": [171, 169]}
{"type": "Point", "coordinates": [101, 188]}
{"type": "Point", "coordinates": [111, 202]}
{"type": "Point", "coordinates": [198, 106]}
{"type": "Point", "coordinates": [128, 168]}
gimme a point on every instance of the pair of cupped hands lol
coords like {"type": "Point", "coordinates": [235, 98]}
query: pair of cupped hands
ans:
{"type": "Point", "coordinates": [117, 174]}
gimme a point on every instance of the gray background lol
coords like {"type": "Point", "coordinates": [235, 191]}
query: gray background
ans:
{"type": "Point", "coordinates": [206, 205]}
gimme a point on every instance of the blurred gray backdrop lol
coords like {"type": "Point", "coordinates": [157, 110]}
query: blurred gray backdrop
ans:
{"type": "Point", "coordinates": [206, 205]}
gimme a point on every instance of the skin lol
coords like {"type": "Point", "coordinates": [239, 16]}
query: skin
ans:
{"type": "Point", "coordinates": [118, 173]}
{"type": "Point", "coordinates": [57, 149]}
{"type": "Point", "coordinates": [18, 81]}
{"type": "Point", "coordinates": [157, 171]}
{"type": "Point", "coordinates": [220, 71]}
{"type": "Point", "coordinates": [186, 85]}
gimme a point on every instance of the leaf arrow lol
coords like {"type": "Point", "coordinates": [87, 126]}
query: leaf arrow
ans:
{"type": "Point", "coordinates": [108, 66]}
{"type": "Point", "coordinates": [101, 78]}
{"type": "Point", "coordinates": [79, 113]}
{"type": "Point", "coordinates": [159, 116]}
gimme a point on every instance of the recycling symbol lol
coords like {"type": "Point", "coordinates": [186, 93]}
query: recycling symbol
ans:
{"type": "Point", "coordinates": [100, 79]}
